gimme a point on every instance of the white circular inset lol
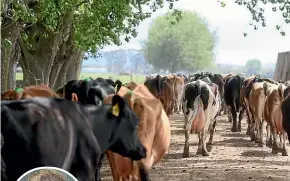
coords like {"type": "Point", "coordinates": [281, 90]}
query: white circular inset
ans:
{"type": "Point", "coordinates": [50, 173]}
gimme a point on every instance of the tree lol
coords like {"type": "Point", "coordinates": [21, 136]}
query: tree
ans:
{"type": "Point", "coordinates": [53, 35]}
{"type": "Point", "coordinates": [253, 66]}
{"type": "Point", "coordinates": [186, 45]}
{"type": "Point", "coordinates": [116, 60]}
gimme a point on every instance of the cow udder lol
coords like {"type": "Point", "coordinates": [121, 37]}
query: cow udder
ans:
{"type": "Point", "coordinates": [199, 120]}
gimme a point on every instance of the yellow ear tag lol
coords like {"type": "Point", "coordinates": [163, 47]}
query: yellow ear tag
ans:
{"type": "Point", "coordinates": [115, 110]}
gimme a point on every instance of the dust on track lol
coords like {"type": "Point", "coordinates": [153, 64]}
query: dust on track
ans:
{"type": "Point", "coordinates": [233, 158]}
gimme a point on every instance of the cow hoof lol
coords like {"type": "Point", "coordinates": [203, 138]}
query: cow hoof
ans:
{"type": "Point", "coordinates": [199, 152]}
{"type": "Point", "coordinates": [269, 144]}
{"type": "Point", "coordinates": [275, 151]}
{"type": "Point", "coordinates": [253, 138]}
{"type": "Point", "coordinates": [284, 153]}
{"type": "Point", "coordinates": [239, 129]}
{"type": "Point", "coordinates": [261, 144]}
{"type": "Point", "coordinates": [234, 129]}
{"type": "Point", "coordinates": [185, 155]}
{"type": "Point", "coordinates": [209, 147]}
{"type": "Point", "coordinates": [186, 151]}
{"type": "Point", "coordinates": [248, 133]}
{"type": "Point", "coordinates": [205, 153]}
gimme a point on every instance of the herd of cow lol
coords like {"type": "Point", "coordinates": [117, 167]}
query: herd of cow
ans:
{"type": "Point", "coordinates": [77, 125]}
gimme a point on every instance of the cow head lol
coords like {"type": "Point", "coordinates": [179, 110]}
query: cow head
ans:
{"type": "Point", "coordinates": [125, 139]}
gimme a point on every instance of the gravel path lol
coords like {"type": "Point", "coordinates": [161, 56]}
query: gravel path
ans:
{"type": "Point", "coordinates": [233, 157]}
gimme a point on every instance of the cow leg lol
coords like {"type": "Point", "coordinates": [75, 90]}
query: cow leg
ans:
{"type": "Point", "coordinates": [257, 128]}
{"type": "Point", "coordinates": [241, 115]}
{"type": "Point", "coordinates": [186, 144]}
{"type": "Point", "coordinates": [199, 147]}
{"type": "Point", "coordinates": [210, 142]}
{"type": "Point", "coordinates": [284, 150]}
{"type": "Point", "coordinates": [261, 131]}
{"type": "Point", "coordinates": [252, 131]}
{"type": "Point", "coordinates": [269, 137]}
{"type": "Point", "coordinates": [234, 114]}
{"type": "Point", "coordinates": [98, 170]}
{"type": "Point", "coordinates": [230, 116]}
{"type": "Point", "coordinates": [203, 136]}
{"type": "Point", "coordinates": [275, 149]}
{"type": "Point", "coordinates": [144, 174]}
{"type": "Point", "coordinates": [249, 124]}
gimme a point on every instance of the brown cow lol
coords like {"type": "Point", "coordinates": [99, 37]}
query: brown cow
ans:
{"type": "Point", "coordinates": [177, 83]}
{"type": "Point", "coordinates": [257, 100]}
{"type": "Point", "coordinates": [162, 88]}
{"type": "Point", "coordinates": [153, 131]}
{"type": "Point", "coordinates": [245, 103]}
{"type": "Point", "coordinates": [273, 116]}
{"type": "Point", "coordinates": [131, 85]}
{"type": "Point", "coordinates": [256, 104]}
{"type": "Point", "coordinates": [29, 91]}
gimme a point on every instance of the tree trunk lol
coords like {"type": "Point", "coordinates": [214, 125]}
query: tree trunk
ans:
{"type": "Point", "coordinates": [74, 69]}
{"type": "Point", "coordinates": [9, 31]}
{"type": "Point", "coordinates": [63, 59]}
{"type": "Point", "coordinates": [13, 65]}
{"type": "Point", "coordinates": [38, 61]}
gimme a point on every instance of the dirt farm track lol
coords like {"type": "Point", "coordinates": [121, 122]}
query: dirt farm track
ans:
{"type": "Point", "coordinates": [233, 157]}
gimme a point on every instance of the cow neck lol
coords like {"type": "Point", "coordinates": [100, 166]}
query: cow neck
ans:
{"type": "Point", "coordinates": [104, 127]}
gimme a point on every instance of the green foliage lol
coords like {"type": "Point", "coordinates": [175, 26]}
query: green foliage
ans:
{"type": "Point", "coordinates": [186, 45]}
{"type": "Point", "coordinates": [95, 23]}
{"type": "Point", "coordinates": [257, 9]}
{"type": "Point", "coordinates": [253, 66]}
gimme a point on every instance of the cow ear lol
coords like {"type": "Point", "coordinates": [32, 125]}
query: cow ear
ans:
{"type": "Point", "coordinates": [74, 97]}
{"type": "Point", "coordinates": [118, 104]}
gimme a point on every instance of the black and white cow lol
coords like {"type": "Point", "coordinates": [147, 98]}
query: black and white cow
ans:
{"type": "Point", "coordinates": [201, 105]}
{"type": "Point", "coordinates": [57, 132]}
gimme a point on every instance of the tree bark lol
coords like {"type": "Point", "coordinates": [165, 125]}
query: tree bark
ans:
{"type": "Point", "coordinates": [13, 65]}
{"type": "Point", "coordinates": [74, 69]}
{"type": "Point", "coordinates": [63, 59]}
{"type": "Point", "coordinates": [9, 31]}
{"type": "Point", "coordinates": [38, 61]}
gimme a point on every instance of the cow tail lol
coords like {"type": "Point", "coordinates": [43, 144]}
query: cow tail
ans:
{"type": "Point", "coordinates": [159, 85]}
{"type": "Point", "coordinates": [265, 87]}
{"type": "Point", "coordinates": [144, 174]}
{"type": "Point", "coordinates": [281, 91]}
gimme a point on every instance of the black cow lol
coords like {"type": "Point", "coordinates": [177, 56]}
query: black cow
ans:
{"type": "Point", "coordinates": [286, 115]}
{"type": "Point", "coordinates": [88, 91]}
{"type": "Point", "coordinates": [57, 132]}
{"type": "Point", "coordinates": [232, 89]}
{"type": "Point", "coordinates": [117, 84]}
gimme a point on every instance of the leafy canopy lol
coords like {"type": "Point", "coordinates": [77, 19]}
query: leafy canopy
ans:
{"type": "Point", "coordinates": [186, 45]}
{"type": "Point", "coordinates": [257, 10]}
{"type": "Point", "coordinates": [95, 22]}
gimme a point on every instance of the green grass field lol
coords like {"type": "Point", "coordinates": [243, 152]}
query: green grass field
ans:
{"type": "Point", "coordinates": [123, 78]}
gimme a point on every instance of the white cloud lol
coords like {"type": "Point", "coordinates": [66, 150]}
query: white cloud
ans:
{"type": "Point", "coordinates": [230, 23]}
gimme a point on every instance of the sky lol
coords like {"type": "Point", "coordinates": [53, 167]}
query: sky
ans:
{"type": "Point", "coordinates": [229, 23]}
